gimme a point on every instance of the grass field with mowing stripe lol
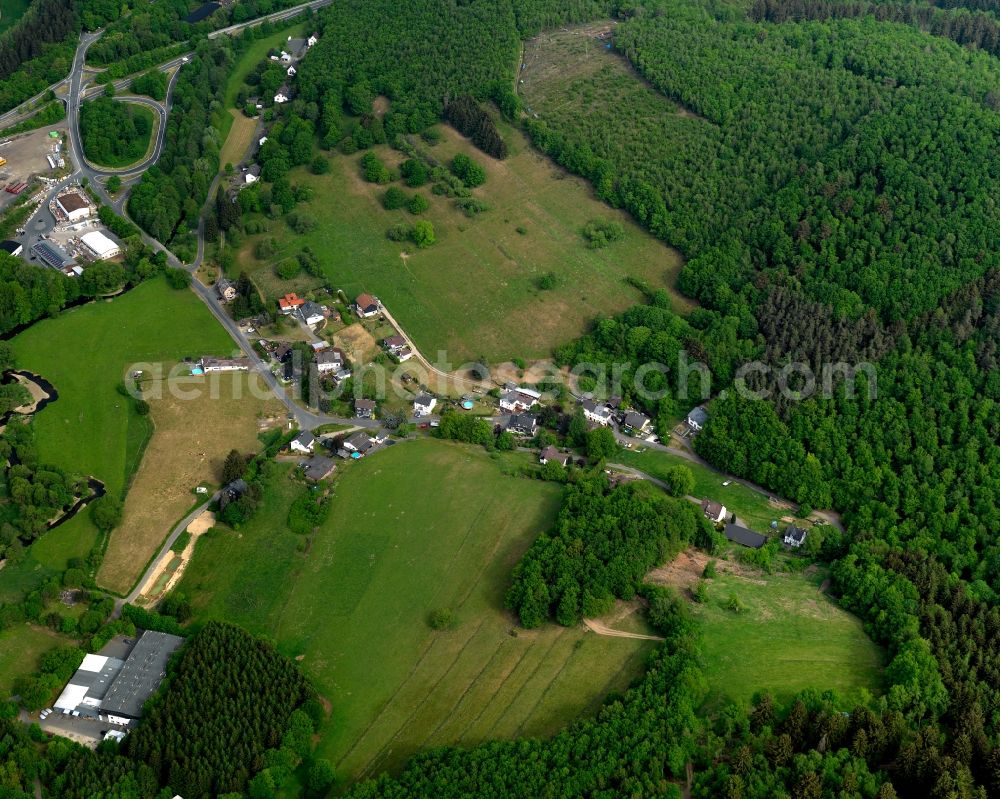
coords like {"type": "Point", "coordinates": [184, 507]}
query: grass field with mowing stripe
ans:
{"type": "Point", "coordinates": [476, 292]}
{"type": "Point", "coordinates": [419, 526]}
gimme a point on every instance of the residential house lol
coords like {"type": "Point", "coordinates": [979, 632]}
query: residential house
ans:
{"type": "Point", "coordinates": [224, 364]}
{"type": "Point", "coordinates": [638, 423]}
{"type": "Point", "coordinates": [319, 467]}
{"type": "Point", "coordinates": [262, 141]}
{"type": "Point", "coordinates": [304, 442]}
{"type": "Point", "coordinates": [380, 437]}
{"type": "Point", "coordinates": [516, 400]}
{"type": "Point", "coordinates": [715, 512]}
{"type": "Point", "coordinates": [283, 96]}
{"type": "Point", "coordinates": [424, 405]}
{"type": "Point", "coordinates": [226, 289]}
{"type": "Point", "coordinates": [398, 348]}
{"type": "Point", "coordinates": [312, 313]}
{"type": "Point", "coordinates": [522, 424]}
{"type": "Point", "coordinates": [794, 536]}
{"type": "Point", "coordinates": [550, 453]}
{"type": "Point", "coordinates": [290, 72]}
{"type": "Point", "coordinates": [366, 305]}
{"type": "Point", "coordinates": [697, 418]}
{"type": "Point", "coordinates": [741, 535]}
{"type": "Point", "coordinates": [312, 40]}
{"type": "Point", "coordinates": [289, 303]}
{"type": "Point", "coordinates": [256, 103]}
{"type": "Point", "coordinates": [331, 360]}
{"type": "Point", "coordinates": [596, 413]}
{"type": "Point", "coordinates": [364, 408]}
{"type": "Point", "coordinates": [252, 175]}
{"type": "Point", "coordinates": [283, 352]}
{"type": "Point", "coordinates": [285, 58]}
{"type": "Point", "coordinates": [615, 403]}
{"type": "Point", "coordinates": [359, 442]}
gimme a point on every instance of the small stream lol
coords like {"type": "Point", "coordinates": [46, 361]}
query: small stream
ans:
{"type": "Point", "coordinates": [97, 488]}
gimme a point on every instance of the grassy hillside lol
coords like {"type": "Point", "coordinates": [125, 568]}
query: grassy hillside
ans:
{"type": "Point", "coordinates": [422, 526]}
{"type": "Point", "coordinates": [476, 291]}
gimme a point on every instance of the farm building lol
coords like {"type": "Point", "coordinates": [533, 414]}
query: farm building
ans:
{"type": "Point", "coordinates": [100, 245]}
{"type": "Point", "coordinates": [114, 689]}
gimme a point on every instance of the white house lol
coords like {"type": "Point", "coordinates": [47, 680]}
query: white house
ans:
{"type": "Point", "coordinates": [515, 400]}
{"type": "Point", "coordinates": [638, 423]}
{"type": "Point", "coordinates": [312, 40]}
{"type": "Point", "coordinates": [286, 57]}
{"type": "Point", "coordinates": [282, 95]}
{"type": "Point", "coordinates": [794, 536]}
{"type": "Point", "coordinates": [367, 305]}
{"type": "Point", "coordinates": [596, 413]}
{"type": "Point", "coordinates": [715, 512]}
{"type": "Point", "coordinates": [261, 141]}
{"type": "Point", "coordinates": [304, 442]}
{"type": "Point", "coordinates": [697, 417]}
{"type": "Point", "coordinates": [329, 361]}
{"type": "Point", "coordinates": [424, 405]}
{"type": "Point", "coordinates": [290, 72]}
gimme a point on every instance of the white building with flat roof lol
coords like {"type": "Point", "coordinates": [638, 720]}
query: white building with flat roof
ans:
{"type": "Point", "coordinates": [100, 245]}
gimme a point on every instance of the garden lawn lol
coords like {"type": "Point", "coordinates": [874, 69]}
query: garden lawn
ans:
{"type": "Point", "coordinates": [476, 292]}
{"type": "Point", "coordinates": [788, 637]}
{"type": "Point", "coordinates": [420, 526]}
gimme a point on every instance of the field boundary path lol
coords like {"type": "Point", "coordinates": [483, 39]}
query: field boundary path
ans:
{"type": "Point", "coordinates": [602, 629]}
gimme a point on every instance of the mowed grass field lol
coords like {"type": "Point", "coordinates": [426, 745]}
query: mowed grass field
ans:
{"type": "Point", "coordinates": [789, 636]}
{"type": "Point", "coordinates": [475, 292]}
{"type": "Point", "coordinates": [86, 353]}
{"type": "Point", "coordinates": [11, 11]}
{"type": "Point", "coordinates": [420, 526]}
{"type": "Point", "coordinates": [182, 454]}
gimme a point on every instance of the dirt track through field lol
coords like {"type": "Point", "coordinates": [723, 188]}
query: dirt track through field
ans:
{"type": "Point", "coordinates": [602, 629]}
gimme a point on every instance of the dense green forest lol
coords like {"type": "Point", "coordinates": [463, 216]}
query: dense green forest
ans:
{"type": "Point", "coordinates": [115, 134]}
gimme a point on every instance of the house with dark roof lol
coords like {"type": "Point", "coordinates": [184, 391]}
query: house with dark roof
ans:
{"type": "Point", "coordinates": [522, 424]}
{"type": "Point", "coordinates": [331, 360]}
{"type": "Point", "coordinates": [424, 405]}
{"type": "Point", "coordinates": [318, 467]}
{"type": "Point", "coordinates": [794, 536]}
{"type": "Point", "coordinates": [550, 453]}
{"type": "Point", "coordinates": [364, 408]}
{"type": "Point", "coordinates": [637, 423]}
{"type": "Point", "coordinates": [516, 400]}
{"type": "Point", "coordinates": [715, 512]}
{"type": "Point", "coordinates": [741, 535]}
{"type": "Point", "coordinates": [232, 492]}
{"type": "Point", "coordinates": [697, 418]}
{"type": "Point", "coordinates": [359, 442]}
{"type": "Point", "coordinates": [304, 442]}
{"type": "Point", "coordinates": [226, 289]}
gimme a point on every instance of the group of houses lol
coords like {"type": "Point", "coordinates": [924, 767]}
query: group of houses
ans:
{"type": "Point", "coordinates": [398, 347]}
{"type": "Point", "coordinates": [306, 311]}
{"type": "Point", "coordinates": [295, 50]}
{"type": "Point", "coordinates": [611, 412]}
{"type": "Point", "coordinates": [717, 514]}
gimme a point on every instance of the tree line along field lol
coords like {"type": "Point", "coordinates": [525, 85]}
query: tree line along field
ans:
{"type": "Point", "coordinates": [92, 429]}
{"type": "Point", "coordinates": [476, 292]}
{"type": "Point", "coordinates": [353, 604]}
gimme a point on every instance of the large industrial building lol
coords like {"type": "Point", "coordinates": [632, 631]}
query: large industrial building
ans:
{"type": "Point", "coordinates": [114, 689]}
{"type": "Point", "coordinates": [100, 245]}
